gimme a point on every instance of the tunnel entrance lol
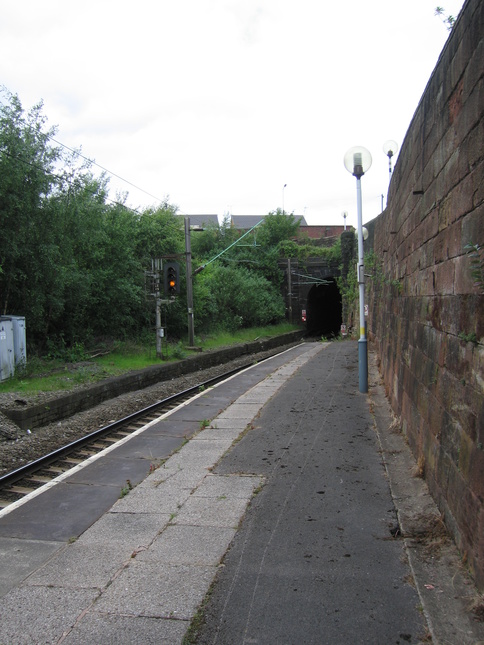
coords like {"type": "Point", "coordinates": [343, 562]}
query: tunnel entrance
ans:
{"type": "Point", "coordinates": [324, 311]}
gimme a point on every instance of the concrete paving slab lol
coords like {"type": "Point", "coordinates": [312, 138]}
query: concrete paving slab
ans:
{"type": "Point", "coordinates": [203, 453]}
{"type": "Point", "coordinates": [41, 614]}
{"type": "Point", "coordinates": [257, 396]}
{"type": "Point", "coordinates": [161, 500]}
{"type": "Point", "coordinates": [229, 423]}
{"type": "Point", "coordinates": [82, 566]}
{"type": "Point", "coordinates": [131, 530]}
{"type": "Point", "coordinates": [230, 486]}
{"type": "Point", "coordinates": [266, 389]}
{"type": "Point", "coordinates": [123, 630]}
{"type": "Point", "coordinates": [219, 434]}
{"type": "Point", "coordinates": [209, 511]}
{"type": "Point", "coordinates": [20, 557]}
{"type": "Point", "coordinates": [244, 411]}
{"type": "Point", "coordinates": [193, 545]}
{"type": "Point", "coordinates": [185, 475]}
{"type": "Point", "coordinates": [157, 590]}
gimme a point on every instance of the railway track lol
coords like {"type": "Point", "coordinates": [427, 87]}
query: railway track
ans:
{"type": "Point", "coordinates": [15, 485]}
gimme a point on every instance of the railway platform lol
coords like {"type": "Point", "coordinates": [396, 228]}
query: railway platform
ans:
{"type": "Point", "coordinates": [269, 509]}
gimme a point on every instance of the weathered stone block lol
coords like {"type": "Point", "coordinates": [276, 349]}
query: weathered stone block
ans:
{"type": "Point", "coordinates": [476, 468]}
{"type": "Point", "coordinates": [445, 277]}
{"type": "Point", "coordinates": [448, 243]}
{"type": "Point", "coordinates": [472, 226]}
{"type": "Point", "coordinates": [464, 282]}
{"type": "Point", "coordinates": [477, 553]}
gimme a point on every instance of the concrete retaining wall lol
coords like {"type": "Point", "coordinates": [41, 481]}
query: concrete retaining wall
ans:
{"type": "Point", "coordinates": [426, 311]}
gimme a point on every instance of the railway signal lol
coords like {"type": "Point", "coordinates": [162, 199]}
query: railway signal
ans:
{"type": "Point", "coordinates": [171, 276]}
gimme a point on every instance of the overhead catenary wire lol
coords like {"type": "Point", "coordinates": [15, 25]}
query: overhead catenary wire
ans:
{"type": "Point", "coordinates": [110, 172]}
{"type": "Point", "coordinates": [92, 162]}
{"type": "Point", "coordinates": [73, 182]}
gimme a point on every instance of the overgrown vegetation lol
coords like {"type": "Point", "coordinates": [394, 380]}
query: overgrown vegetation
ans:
{"type": "Point", "coordinates": [73, 262]}
{"type": "Point", "coordinates": [53, 374]}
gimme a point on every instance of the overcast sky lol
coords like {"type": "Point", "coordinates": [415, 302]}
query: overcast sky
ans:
{"type": "Point", "coordinates": [217, 104]}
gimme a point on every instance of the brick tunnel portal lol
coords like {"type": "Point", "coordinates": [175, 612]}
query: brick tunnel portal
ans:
{"type": "Point", "coordinates": [324, 310]}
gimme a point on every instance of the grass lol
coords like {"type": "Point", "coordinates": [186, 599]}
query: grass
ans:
{"type": "Point", "coordinates": [222, 339]}
{"type": "Point", "coordinates": [49, 375]}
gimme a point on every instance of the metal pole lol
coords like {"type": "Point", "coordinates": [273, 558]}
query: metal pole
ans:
{"type": "Point", "coordinates": [289, 288]}
{"type": "Point", "coordinates": [362, 343]}
{"type": "Point", "coordinates": [159, 353]}
{"type": "Point", "coordinates": [191, 331]}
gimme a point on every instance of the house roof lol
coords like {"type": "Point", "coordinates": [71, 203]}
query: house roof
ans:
{"type": "Point", "coordinates": [245, 222]}
{"type": "Point", "coordinates": [199, 222]}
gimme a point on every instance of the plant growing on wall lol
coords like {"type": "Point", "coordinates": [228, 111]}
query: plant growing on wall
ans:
{"type": "Point", "coordinates": [448, 21]}
{"type": "Point", "coordinates": [476, 254]}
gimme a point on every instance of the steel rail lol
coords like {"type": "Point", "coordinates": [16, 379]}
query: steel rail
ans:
{"type": "Point", "coordinates": [9, 479]}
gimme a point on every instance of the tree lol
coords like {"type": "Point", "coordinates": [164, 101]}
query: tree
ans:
{"type": "Point", "coordinates": [28, 249]}
{"type": "Point", "coordinates": [68, 260]}
{"type": "Point", "coordinates": [276, 227]}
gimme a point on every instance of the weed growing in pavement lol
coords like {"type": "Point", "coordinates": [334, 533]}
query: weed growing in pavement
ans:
{"type": "Point", "coordinates": [248, 428]}
{"type": "Point", "coordinates": [257, 490]}
{"type": "Point", "coordinates": [157, 464]}
{"type": "Point", "coordinates": [204, 423]}
{"type": "Point", "coordinates": [198, 619]}
{"type": "Point", "coordinates": [125, 490]}
{"type": "Point", "coordinates": [426, 637]}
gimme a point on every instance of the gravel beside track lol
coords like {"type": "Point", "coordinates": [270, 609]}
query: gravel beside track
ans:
{"type": "Point", "coordinates": [19, 447]}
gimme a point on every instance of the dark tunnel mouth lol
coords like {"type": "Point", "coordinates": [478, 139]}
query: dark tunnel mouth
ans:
{"type": "Point", "coordinates": [324, 310]}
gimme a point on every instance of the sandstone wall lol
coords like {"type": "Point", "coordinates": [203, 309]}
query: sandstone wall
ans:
{"type": "Point", "coordinates": [425, 309]}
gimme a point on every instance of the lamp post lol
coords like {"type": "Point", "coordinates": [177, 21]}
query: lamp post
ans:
{"type": "Point", "coordinates": [283, 198]}
{"type": "Point", "coordinates": [390, 148]}
{"type": "Point", "coordinates": [357, 161]}
{"type": "Point", "coordinates": [344, 215]}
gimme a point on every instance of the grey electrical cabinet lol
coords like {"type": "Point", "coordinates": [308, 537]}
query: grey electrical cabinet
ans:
{"type": "Point", "coordinates": [7, 357]}
{"type": "Point", "coordinates": [13, 346]}
{"type": "Point", "coordinates": [19, 340]}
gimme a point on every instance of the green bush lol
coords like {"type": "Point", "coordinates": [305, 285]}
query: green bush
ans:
{"type": "Point", "coordinates": [235, 297]}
